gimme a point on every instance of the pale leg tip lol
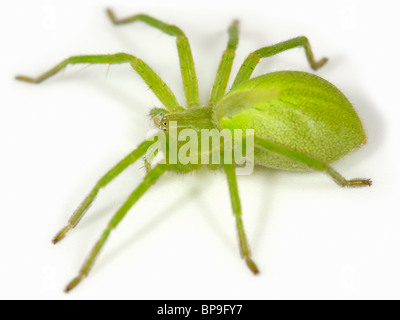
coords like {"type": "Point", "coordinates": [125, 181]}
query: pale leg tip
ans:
{"type": "Point", "coordinates": [72, 285]}
{"type": "Point", "coordinates": [320, 63]}
{"type": "Point", "coordinates": [110, 13]}
{"type": "Point", "coordinates": [61, 234]}
{"type": "Point", "coordinates": [24, 78]}
{"type": "Point", "coordinates": [252, 266]}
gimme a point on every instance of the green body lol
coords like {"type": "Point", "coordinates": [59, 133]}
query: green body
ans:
{"type": "Point", "coordinates": [300, 121]}
{"type": "Point", "coordinates": [294, 109]}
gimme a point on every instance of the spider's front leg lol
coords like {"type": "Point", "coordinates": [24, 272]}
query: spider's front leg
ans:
{"type": "Point", "coordinates": [160, 89]}
{"type": "Point", "coordinates": [188, 72]}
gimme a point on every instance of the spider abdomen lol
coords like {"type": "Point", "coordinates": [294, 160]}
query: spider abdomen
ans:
{"type": "Point", "coordinates": [297, 110]}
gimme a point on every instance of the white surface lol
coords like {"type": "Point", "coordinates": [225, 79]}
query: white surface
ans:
{"type": "Point", "coordinates": [310, 238]}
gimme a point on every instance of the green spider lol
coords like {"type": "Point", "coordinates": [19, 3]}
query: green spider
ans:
{"type": "Point", "coordinates": [300, 122]}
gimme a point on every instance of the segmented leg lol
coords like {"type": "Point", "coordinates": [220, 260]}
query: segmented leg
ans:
{"type": "Point", "coordinates": [233, 189]}
{"type": "Point", "coordinates": [188, 72]}
{"type": "Point", "coordinates": [225, 66]}
{"type": "Point", "coordinates": [155, 83]}
{"type": "Point", "coordinates": [252, 60]}
{"type": "Point", "coordinates": [311, 162]}
{"type": "Point", "coordinates": [149, 180]}
{"type": "Point", "coordinates": [149, 158]}
{"type": "Point", "coordinates": [110, 175]}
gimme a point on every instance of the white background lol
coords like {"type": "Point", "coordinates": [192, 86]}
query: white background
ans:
{"type": "Point", "coordinates": [310, 238]}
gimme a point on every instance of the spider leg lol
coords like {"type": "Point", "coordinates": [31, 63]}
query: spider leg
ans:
{"type": "Point", "coordinates": [225, 66]}
{"type": "Point", "coordinates": [311, 162]}
{"type": "Point", "coordinates": [110, 175]}
{"type": "Point", "coordinates": [149, 158]}
{"type": "Point", "coordinates": [160, 89]}
{"type": "Point", "coordinates": [149, 180]}
{"type": "Point", "coordinates": [233, 189]}
{"type": "Point", "coordinates": [188, 72]}
{"type": "Point", "coordinates": [253, 59]}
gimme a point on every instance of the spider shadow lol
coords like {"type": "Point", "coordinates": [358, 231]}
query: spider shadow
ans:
{"type": "Point", "coordinates": [351, 85]}
{"type": "Point", "coordinates": [168, 212]}
{"type": "Point", "coordinates": [227, 239]}
{"type": "Point", "coordinates": [261, 203]}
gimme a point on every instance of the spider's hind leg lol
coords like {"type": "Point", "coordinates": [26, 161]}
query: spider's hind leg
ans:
{"type": "Point", "coordinates": [253, 58]}
{"type": "Point", "coordinates": [233, 189]}
{"type": "Point", "coordinates": [311, 162]}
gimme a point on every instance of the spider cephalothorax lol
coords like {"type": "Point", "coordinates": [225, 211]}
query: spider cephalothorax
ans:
{"type": "Point", "coordinates": [294, 120]}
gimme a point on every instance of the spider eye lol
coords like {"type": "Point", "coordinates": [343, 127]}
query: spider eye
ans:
{"type": "Point", "coordinates": [165, 129]}
{"type": "Point", "coordinates": [165, 123]}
